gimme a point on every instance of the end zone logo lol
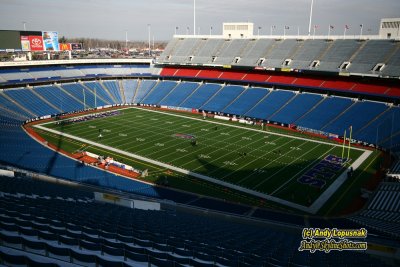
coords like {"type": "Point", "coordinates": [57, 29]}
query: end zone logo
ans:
{"type": "Point", "coordinates": [36, 43]}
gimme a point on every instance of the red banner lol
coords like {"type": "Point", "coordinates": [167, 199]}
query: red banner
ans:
{"type": "Point", "coordinates": [64, 47]}
{"type": "Point", "coordinates": [36, 43]}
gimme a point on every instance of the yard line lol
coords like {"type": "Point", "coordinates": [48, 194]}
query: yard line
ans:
{"type": "Point", "coordinates": [143, 132]}
{"type": "Point", "coordinates": [262, 182]}
{"type": "Point", "coordinates": [284, 144]}
{"type": "Point", "coordinates": [250, 129]}
{"type": "Point", "coordinates": [184, 171]}
{"type": "Point", "coordinates": [308, 166]}
{"type": "Point", "coordinates": [266, 165]}
{"type": "Point", "coordinates": [215, 150]}
{"type": "Point", "coordinates": [166, 155]}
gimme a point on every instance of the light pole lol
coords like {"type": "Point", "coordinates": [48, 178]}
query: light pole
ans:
{"type": "Point", "coordinates": [194, 17]}
{"type": "Point", "coordinates": [126, 41]}
{"type": "Point", "coordinates": [149, 30]}
{"type": "Point", "coordinates": [309, 25]}
{"type": "Point", "coordinates": [24, 22]}
{"type": "Point", "coordinates": [272, 29]}
{"type": "Point", "coordinates": [258, 31]}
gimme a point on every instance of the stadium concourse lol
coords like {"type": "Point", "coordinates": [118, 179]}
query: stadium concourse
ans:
{"type": "Point", "coordinates": [317, 87]}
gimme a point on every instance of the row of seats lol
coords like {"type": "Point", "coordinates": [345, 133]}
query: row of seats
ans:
{"type": "Point", "coordinates": [20, 150]}
{"type": "Point", "coordinates": [329, 55]}
{"type": "Point", "coordinates": [382, 87]}
{"type": "Point", "coordinates": [97, 232]}
{"type": "Point", "coordinates": [54, 73]}
{"type": "Point", "coordinates": [313, 111]}
{"type": "Point", "coordinates": [383, 210]}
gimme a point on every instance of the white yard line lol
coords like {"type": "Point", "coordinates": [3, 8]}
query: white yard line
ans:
{"type": "Point", "coordinates": [250, 129]}
{"type": "Point", "coordinates": [180, 170]}
{"type": "Point", "coordinates": [302, 170]}
{"type": "Point", "coordinates": [322, 199]}
{"type": "Point", "coordinates": [283, 168]}
{"type": "Point", "coordinates": [270, 162]}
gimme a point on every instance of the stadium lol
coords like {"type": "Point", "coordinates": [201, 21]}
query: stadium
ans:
{"type": "Point", "coordinates": [224, 150]}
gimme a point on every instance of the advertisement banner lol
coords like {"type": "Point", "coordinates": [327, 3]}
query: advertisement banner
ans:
{"type": "Point", "coordinates": [75, 46]}
{"type": "Point", "coordinates": [64, 47]}
{"type": "Point", "coordinates": [50, 40]}
{"type": "Point", "coordinates": [36, 43]}
{"type": "Point", "coordinates": [25, 45]}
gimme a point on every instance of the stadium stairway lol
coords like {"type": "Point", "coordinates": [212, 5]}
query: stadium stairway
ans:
{"type": "Point", "coordinates": [145, 88]}
{"type": "Point", "coordinates": [46, 101]}
{"type": "Point", "coordinates": [122, 91]}
{"type": "Point", "coordinates": [113, 89]}
{"type": "Point", "coordinates": [100, 92]}
{"type": "Point", "coordinates": [199, 97]}
{"type": "Point", "coordinates": [130, 88]}
{"type": "Point", "coordinates": [7, 100]}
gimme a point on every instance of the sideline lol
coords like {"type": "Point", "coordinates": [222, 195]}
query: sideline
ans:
{"type": "Point", "coordinates": [314, 208]}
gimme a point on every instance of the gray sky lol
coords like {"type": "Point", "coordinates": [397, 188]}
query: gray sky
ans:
{"type": "Point", "coordinates": [109, 19]}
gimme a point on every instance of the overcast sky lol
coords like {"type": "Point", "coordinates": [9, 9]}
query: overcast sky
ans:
{"type": "Point", "coordinates": [110, 19]}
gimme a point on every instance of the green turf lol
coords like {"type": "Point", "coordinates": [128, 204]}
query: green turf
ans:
{"type": "Point", "coordinates": [271, 165]}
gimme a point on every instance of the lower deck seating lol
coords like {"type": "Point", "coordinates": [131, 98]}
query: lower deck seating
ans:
{"type": "Point", "coordinates": [383, 210]}
{"type": "Point", "coordinates": [19, 150]}
{"type": "Point", "coordinates": [85, 232]}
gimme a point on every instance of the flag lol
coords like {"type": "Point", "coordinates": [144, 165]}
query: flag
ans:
{"type": "Point", "coordinates": [316, 26]}
{"type": "Point", "coordinates": [286, 27]}
{"type": "Point", "coordinates": [332, 27]}
{"type": "Point", "coordinates": [361, 25]}
{"type": "Point", "coordinates": [273, 27]}
{"type": "Point", "coordinates": [346, 27]}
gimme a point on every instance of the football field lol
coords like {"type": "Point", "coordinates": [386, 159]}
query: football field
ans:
{"type": "Point", "coordinates": [259, 161]}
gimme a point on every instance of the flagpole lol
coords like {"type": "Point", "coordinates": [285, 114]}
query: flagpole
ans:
{"type": "Point", "coordinates": [361, 30]}
{"type": "Point", "coordinates": [126, 41]}
{"type": "Point", "coordinates": [194, 17]}
{"type": "Point", "coordinates": [348, 153]}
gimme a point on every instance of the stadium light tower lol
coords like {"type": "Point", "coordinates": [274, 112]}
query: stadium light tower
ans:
{"type": "Point", "coordinates": [309, 25]}
{"type": "Point", "coordinates": [126, 41]}
{"type": "Point", "coordinates": [149, 30]}
{"type": "Point", "coordinates": [194, 17]}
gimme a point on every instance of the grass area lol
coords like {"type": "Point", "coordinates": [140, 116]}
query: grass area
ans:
{"type": "Point", "coordinates": [257, 160]}
{"type": "Point", "coordinates": [351, 188]}
{"type": "Point", "coordinates": [159, 175]}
